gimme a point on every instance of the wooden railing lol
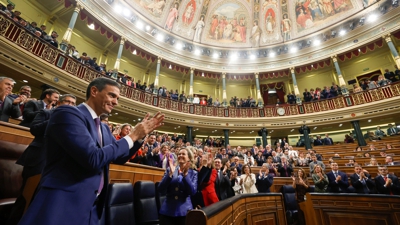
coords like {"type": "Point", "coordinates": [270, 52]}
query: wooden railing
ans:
{"type": "Point", "coordinates": [334, 209]}
{"type": "Point", "coordinates": [246, 209]}
{"type": "Point", "coordinates": [18, 35]}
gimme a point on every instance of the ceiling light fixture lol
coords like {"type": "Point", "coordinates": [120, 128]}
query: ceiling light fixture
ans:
{"type": "Point", "coordinates": [160, 37]}
{"type": "Point", "coordinates": [342, 32]}
{"type": "Point", "coordinates": [91, 26]}
{"type": "Point", "coordinates": [169, 67]}
{"type": "Point", "coordinates": [126, 12]}
{"type": "Point", "coordinates": [215, 55]}
{"type": "Point", "coordinates": [372, 18]}
{"type": "Point", "coordinates": [317, 42]}
{"type": "Point", "coordinates": [197, 51]}
{"type": "Point", "coordinates": [134, 52]}
{"type": "Point", "coordinates": [139, 24]}
{"type": "Point", "coordinates": [25, 81]}
{"type": "Point", "coordinates": [272, 54]}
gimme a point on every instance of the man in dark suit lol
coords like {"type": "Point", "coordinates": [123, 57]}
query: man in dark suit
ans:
{"type": "Point", "coordinates": [275, 158]}
{"type": "Point", "coordinates": [285, 169]}
{"type": "Point", "coordinates": [392, 130]}
{"type": "Point", "coordinates": [7, 107]}
{"type": "Point", "coordinates": [361, 181]}
{"type": "Point", "coordinates": [237, 165]}
{"type": "Point", "coordinates": [152, 155]}
{"type": "Point", "coordinates": [33, 107]}
{"type": "Point", "coordinates": [386, 183]}
{"type": "Point", "coordinates": [327, 140]}
{"type": "Point", "coordinates": [338, 181]}
{"type": "Point", "coordinates": [318, 141]}
{"type": "Point", "coordinates": [264, 180]}
{"type": "Point", "coordinates": [33, 159]}
{"type": "Point", "coordinates": [79, 149]}
{"type": "Point", "coordinates": [222, 183]}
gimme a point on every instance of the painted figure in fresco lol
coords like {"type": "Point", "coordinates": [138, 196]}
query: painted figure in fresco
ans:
{"type": "Point", "coordinates": [270, 23]}
{"type": "Point", "coordinates": [368, 2]}
{"type": "Point", "coordinates": [156, 7]}
{"type": "Point", "coordinates": [172, 16]}
{"type": "Point", "coordinates": [187, 17]}
{"type": "Point", "coordinates": [339, 5]}
{"type": "Point", "coordinates": [242, 23]}
{"type": "Point", "coordinates": [327, 7]}
{"type": "Point", "coordinates": [286, 27]}
{"type": "Point", "coordinates": [316, 12]}
{"type": "Point", "coordinates": [255, 35]}
{"type": "Point", "coordinates": [228, 31]}
{"type": "Point", "coordinates": [269, 3]}
{"type": "Point", "coordinates": [199, 29]}
{"type": "Point", "coordinates": [214, 25]}
{"type": "Point", "coordinates": [304, 20]}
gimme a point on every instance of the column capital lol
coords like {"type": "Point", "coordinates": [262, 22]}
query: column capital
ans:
{"type": "Point", "coordinates": [78, 7]}
{"type": "Point", "coordinates": [223, 75]}
{"type": "Point", "coordinates": [334, 58]}
{"type": "Point", "coordinates": [291, 70]}
{"type": "Point", "coordinates": [159, 59]}
{"type": "Point", "coordinates": [122, 41]}
{"type": "Point", "coordinates": [192, 69]}
{"type": "Point", "coordinates": [256, 74]}
{"type": "Point", "coordinates": [387, 37]}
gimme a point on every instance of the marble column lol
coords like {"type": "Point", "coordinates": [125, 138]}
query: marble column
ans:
{"type": "Point", "coordinates": [392, 48]}
{"type": "Point", "coordinates": [156, 80]}
{"type": "Point", "coordinates": [189, 134]}
{"type": "Point", "coordinates": [119, 54]}
{"type": "Point", "coordinates": [263, 132]}
{"type": "Point", "coordinates": [67, 36]}
{"type": "Point", "coordinates": [342, 83]}
{"type": "Point", "coordinates": [226, 136]}
{"type": "Point", "coordinates": [259, 98]}
{"type": "Point", "coordinates": [358, 132]}
{"type": "Point", "coordinates": [190, 96]}
{"type": "Point", "coordinates": [224, 103]}
{"type": "Point", "coordinates": [295, 87]}
{"type": "Point", "coordinates": [305, 131]}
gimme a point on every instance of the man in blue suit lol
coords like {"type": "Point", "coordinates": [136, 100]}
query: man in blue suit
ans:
{"type": "Point", "coordinates": [79, 149]}
{"type": "Point", "coordinates": [264, 180]}
{"type": "Point", "coordinates": [7, 107]}
{"type": "Point", "coordinates": [338, 181]}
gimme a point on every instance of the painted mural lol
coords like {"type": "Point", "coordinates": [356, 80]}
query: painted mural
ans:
{"type": "Point", "coordinates": [309, 14]}
{"type": "Point", "coordinates": [246, 23]}
{"type": "Point", "coordinates": [228, 24]}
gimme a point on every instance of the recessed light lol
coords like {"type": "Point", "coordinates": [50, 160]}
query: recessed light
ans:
{"type": "Point", "coordinates": [340, 125]}
{"type": "Point", "coordinates": [342, 32]}
{"type": "Point", "coordinates": [139, 119]}
{"type": "Point", "coordinates": [369, 121]}
{"type": "Point", "coordinates": [372, 18]}
{"type": "Point", "coordinates": [317, 42]}
{"type": "Point", "coordinates": [91, 26]}
{"type": "Point", "coordinates": [315, 128]}
{"type": "Point", "coordinates": [116, 113]}
{"type": "Point", "coordinates": [25, 81]}
{"type": "Point", "coordinates": [126, 12]}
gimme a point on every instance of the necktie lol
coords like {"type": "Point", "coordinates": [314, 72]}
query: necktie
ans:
{"type": "Point", "coordinates": [97, 122]}
{"type": "Point", "coordinates": [335, 174]}
{"type": "Point", "coordinates": [393, 131]}
{"type": "Point", "coordinates": [385, 178]}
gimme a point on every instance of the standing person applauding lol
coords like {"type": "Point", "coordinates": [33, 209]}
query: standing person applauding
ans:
{"type": "Point", "coordinates": [248, 181]}
{"type": "Point", "coordinates": [179, 184]}
{"type": "Point", "coordinates": [320, 179]}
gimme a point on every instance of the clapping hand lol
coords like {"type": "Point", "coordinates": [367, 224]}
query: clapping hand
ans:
{"type": "Point", "coordinates": [185, 169]}
{"type": "Point", "coordinates": [21, 98]}
{"type": "Point", "coordinates": [147, 126]}
{"type": "Point", "coordinates": [172, 166]}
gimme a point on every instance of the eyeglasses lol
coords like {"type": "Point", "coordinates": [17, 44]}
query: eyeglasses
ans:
{"type": "Point", "coordinates": [69, 102]}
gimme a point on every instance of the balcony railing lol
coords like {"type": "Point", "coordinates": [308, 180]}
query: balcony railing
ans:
{"type": "Point", "coordinates": [20, 36]}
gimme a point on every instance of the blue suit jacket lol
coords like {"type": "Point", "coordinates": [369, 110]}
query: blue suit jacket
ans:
{"type": "Point", "coordinates": [178, 189]}
{"type": "Point", "coordinates": [74, 165]}
{"type": "Point", "coordinates": [343, 184]}
{"type": "Point", "coordinates": [264, 183]}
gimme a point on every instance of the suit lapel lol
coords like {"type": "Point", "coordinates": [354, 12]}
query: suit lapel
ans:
{"type": "Point", "coordinates": [92, 125]}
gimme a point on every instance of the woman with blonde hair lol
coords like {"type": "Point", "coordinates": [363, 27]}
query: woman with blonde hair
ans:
{"type": "Point", "coordinates": [300, 184]}
{"type": "Point", "coordinates": [320, 179]}
{"type": "Point", "coordinates": [179, 183]}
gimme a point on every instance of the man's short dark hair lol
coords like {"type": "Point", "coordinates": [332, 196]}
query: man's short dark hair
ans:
{"type": "Point", "coordinates": [49, 91]}
{"type": "Point", "coordinates": [104, 116]}
{"type": "Point", "coordinates": [100, 83]}
{"type": "Point", "coordinates": [64, 96]}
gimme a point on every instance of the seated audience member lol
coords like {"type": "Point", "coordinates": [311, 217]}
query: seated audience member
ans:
{"type": "Point", "coordinates": [373, 137]}
{"type": "Point", "coordinates": [366, 155]}
{"type": "Point", "coordinates": [196, 100]}
{"type": "Point", "coordinates": [248, 159]}
{"type": "Point", "coordinates": [32, 108]}
{"type": "Point", "coordinates": [222, 154]}
{"type": "Point", "coordinates": [7, 106]}
{"type": "Point", "coordinates": [202, 101]}
{"type": "Point", "coordinates": [275, 157]}
{"type": "Point", "coordinates": [302, 160]}
{"type": "Point", "coordinates": [284, 168]}
{"type": "Point", "coordinates": [373, 162]}
{"type": "Point", "coordinates": [327, 140]}
{"type": "Point", "coordinates": [386, 183]}
{"type": "Point", "coordinates": [52, 39]}
{"type": "Point", "coordinates": [389, 161]}
{"type": "Point", "coordinates": [248, 180]}
{"type": "Point", "coordinates": [33, 158]}
{"type": "Point", "coordinates": [315, 162]}
{"type": "Point", "coordinates": [361, 181]}
{"type": "Point", "coordinates": [237, 165]}
{"type": "Point", "coordinates": [379, 132]}
{"type": "Point", "coordinates": [26, 91]}
{"type": "Point", "coordinates": [10, 7]}
{"type": "Point", "coordinates": [372, 147]}
{"type": "Point", "coordinates": [389, 75]}
{"type": "Point", "coordinates": [264, 179]}
{"type": "Point", "coordinates": [372, 84]}
{"type": "Point", "coordinates": [235, 181]}
{"type": "Point", "coordinates": [207, 175]}
{"type": "Point", "coordinates": [382, 153]}
{"type": "Point", "coordinates": [318, 141]}
{"type": "Point", "coordinates": [338, 181]}
{"type": "Point", "coordinates": [358, 149]}
{"type": "Point", "coordinates": [125, 130]}
{"type": "Point", "coordinates": [348, 139]}
{"type": "Point", "coordinates": [179, 184]}
{"type": "Point", "coordinates": [140, 156]}
{"type": "Point", "coordinates": [271, 166]}
{"type": "Point", "coordinates": [352, 162]}
{"type": "Point", "coordinates": [259, 158]}
{"type": "Point", "coordinates": [392, 130]}
{"type": "Point", "coordinates": [357, 88]}
{"type": "Point", "coordinates": [382, 81]}
{"type": "Point", "coordinates": [388, 146]}
{"type": "Point", "coordinates": [222, 183]}
{"type": "Point", "coordinates": [320, 179]}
